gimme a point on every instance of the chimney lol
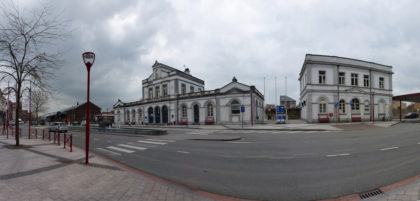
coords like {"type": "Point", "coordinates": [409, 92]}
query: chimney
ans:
{"type": "Point", "coordinates": [187, 70]}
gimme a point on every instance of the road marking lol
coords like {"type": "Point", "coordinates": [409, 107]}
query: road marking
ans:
{"type": "Point", "coordinates": [389, 148]}
{"type": "Point", "coordinates": [109, 151]}
{"type": "Point", "coordinates": [159, 140]}
{"type": "Point", "coordinates": [183, 152]}
{"type": "Point", "coordinates": [132, 147]}
{"type": "Point", "coordinates": [334, 155]}
{"type": "Point", "coordinates": [149, 142]}
{"type": "Point", "coordinates": [120, 149]}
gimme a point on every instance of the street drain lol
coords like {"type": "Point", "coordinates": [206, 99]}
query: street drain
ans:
{"type": "Point", "coordinates": [371, 193]}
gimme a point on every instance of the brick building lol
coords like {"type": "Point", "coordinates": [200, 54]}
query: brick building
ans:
{"type": "Point", "coordinates": [78, 112]}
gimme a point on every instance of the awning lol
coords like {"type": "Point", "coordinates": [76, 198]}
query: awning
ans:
{"type": "Point", "coordinates": [407, 97]}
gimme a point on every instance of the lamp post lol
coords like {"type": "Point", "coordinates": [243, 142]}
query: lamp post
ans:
{"type": "Point", "coordinates": [88, 59]}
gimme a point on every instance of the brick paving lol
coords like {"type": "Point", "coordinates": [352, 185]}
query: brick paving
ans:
{"type": "Point", "coordinates": [42, 171]}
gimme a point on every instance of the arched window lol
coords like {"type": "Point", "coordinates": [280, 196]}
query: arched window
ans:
{"type": "Point", "coordinates": [342, 107]}
{"type": "Point", "coordinates": [184, 111]}
{"type": "Point", "coordinates": [235, 107]}
{"type": "Point", "coordinates": [210, 110]}
{"type": "Point", "coordinates": [356, 105]}
{"type": "Point", "coordinates": [322, 106]}
{"type": "Point", "coordinates": [128, 116]}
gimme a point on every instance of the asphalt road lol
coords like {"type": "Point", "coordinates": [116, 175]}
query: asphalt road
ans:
{"type": "Point", "coordinates": [269, 165]}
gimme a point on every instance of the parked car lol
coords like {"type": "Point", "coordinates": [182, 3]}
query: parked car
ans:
{"type": "Point", "coordinates": [105, 123]}
{"type": "Point", "coordinates": [83, 123]}
{"type": "Point", "coordinates": [12, 123]}
{"type": "Point", "coordinates": [58, 126]}
{"type": "Point", "coordinates": [75, 123]}
{"type": "Point", "coordinates": [412, 115]}
{"type": "Point", "coordinates": [21, 121]}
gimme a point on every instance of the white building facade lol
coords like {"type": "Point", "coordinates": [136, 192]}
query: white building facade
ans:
{"type": "Point", "coordinates": [171, 96]}
{"type": "Point", "coordinates": [336, 88]}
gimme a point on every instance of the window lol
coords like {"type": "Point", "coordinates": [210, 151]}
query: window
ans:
{"type": "Point", "coordinates": [191, 89]}
{"type": "Point", "coordinates": [342, 107]}
{"type": "Point", "coordinates": [210, 110]}
{"type": "Point", "coordinates": [183, 89]}
{"type": "Point", "coordinates": [235, 107]}
{"type": "Point", "coordinates": [157, 91]}
{"type": "Point", "coordinates": [354, 79]}
{"type": "Point", "coordinates": [381, 82]}
{"type": "Point", "coordinates": [150, 92]}
{"type": "Point", "coordinates": [165, 90]}
{"type": "Point", "coordinates": [341, 78]}
{"type": "Point", "coordinates": [321, 77]}
{"type": "Point", "coordinates": [366, 80]}
{"type": "Point", "coordinates": [367, 106]}
{"type": "Point", "coordinates": [355, 106]}
{"type": "Point", "coordinates": [184, 111]}
{"type": "Point", "coordinates": [322, 107]}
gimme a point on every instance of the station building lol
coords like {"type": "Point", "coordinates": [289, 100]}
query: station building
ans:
{"type": "Point", "coordinates": [360, 90]}
{"type": "Point", "coordinates": [171, 96]}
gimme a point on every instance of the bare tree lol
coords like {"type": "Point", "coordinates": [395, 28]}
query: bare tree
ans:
{"type": "Point", "coordinates": [39, 100]}
{"type": "Point", "coordinates": [27, 48]}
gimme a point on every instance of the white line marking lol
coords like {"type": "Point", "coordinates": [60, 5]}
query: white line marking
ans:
{"type": "Point", "coordinates": [334, 155]}
{"type": "Point", "coordinates": [239, 142]}
{"type": "Point", "coordinates": [183, 152]}
{"type": "Point", "coordinates": [109, 151]}
{"type": "Point", "coordinates": [159, 140]}
{"type": "Point", "coordinates": [120, 149]}
{"type": "Point", "coordinates": [149, 142]}
{"type": "Point", "coordinates": [132, 147]}
{"type": "Point", "coordinates": [389, 148]}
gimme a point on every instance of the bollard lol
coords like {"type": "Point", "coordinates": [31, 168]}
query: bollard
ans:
{"type": "Point", "coordinates": [49, 135]}
{"type": "Point", "coordinates": [43, 137]}
{"type": "Point", "coordinates": [55, 136]}
{"type": "Point", "coordinates": [20, 132]}
{"type": "Point", "coordinates": [58, 138]}
{"type": "Point", "coordinates": [29, 135]}
{"type": "Point", "coordinates": [71, 143]}
{"type": "Point", "coordinates": [36, 134]}
{"type": "Point", "coordinates": [65, 140]}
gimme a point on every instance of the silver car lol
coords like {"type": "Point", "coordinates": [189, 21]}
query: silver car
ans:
{"type": "Point", "coordinates": [58, 126]}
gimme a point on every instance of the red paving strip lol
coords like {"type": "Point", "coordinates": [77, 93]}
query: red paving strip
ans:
{"type": "Point", "coordinates": [400, 184]}
{"type": "Point", "coordinates": [154, 178]}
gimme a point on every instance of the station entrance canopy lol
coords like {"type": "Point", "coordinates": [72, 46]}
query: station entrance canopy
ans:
{"type": "Point", "coordinates": [407, 97]}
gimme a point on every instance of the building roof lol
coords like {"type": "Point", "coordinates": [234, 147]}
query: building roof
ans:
{"type": "Point", "coordinates": [76, 106]}
{"type": "Point", "coordinates": [179, 72]}
{"type": "Point", "coordinates": [287, 99]}
{"type": "Point", "coordinates": [407, 97]}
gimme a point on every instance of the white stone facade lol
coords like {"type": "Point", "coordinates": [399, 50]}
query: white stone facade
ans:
{"type": "Point", "coordinates": [171, 96]}
{"type": "Point", "coordinates": [328, 80]}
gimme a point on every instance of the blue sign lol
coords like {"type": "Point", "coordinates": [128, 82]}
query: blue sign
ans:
{"type": "Point", "coordinates": [336, 105]}
{"type": "Point", "coordinates": [242, 108]}
{"type": "Point", "coordinates": [281, 117]}
{"type": "Point", "coordinates": [280, 109]}
{"type": "Point", "coordinates": [145, 117]}
{"type": "Point", "coordinates": [351, 103]}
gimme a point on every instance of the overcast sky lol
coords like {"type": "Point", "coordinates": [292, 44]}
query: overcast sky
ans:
{"type": "Point", "coordinates": [217, 40]}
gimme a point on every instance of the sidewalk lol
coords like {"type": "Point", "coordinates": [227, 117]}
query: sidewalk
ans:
{"type": "Point", "coordinates": [292, 126]}
{"type": "Point", "coordinates": [40, 170]}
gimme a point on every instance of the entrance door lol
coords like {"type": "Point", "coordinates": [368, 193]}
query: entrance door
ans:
{"type": "Point", "coordinates": [150, 111]}
{"type": "Point", "coordinates": [157, 114]}
{"type": "Point", "coordinates": [196, 114]}
{"type": "Point", "coordinates": [165, 114]}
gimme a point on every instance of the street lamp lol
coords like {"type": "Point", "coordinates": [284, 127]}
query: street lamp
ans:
{"type": "Point", "coordinates": [88, 59]}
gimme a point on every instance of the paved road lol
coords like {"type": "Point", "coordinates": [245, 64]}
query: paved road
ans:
{"type": "Point", "coordinates": [273, 165]}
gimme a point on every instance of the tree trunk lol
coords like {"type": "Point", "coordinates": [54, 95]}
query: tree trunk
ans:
{"type": "Point", "coordinates": [17, 117]}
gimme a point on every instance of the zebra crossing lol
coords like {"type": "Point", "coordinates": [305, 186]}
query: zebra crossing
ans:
{"type": "Point", "coordinates": [131, 147]}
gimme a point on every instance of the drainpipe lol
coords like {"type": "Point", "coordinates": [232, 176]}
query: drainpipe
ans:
{"type": "Point", "coordinates": [338, 91]}
{"type": "Point", "coordinates": [252, 114]}
{"type": "Point", "coordinates": [370, 92]}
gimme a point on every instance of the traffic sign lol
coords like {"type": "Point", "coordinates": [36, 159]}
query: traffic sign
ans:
{"type": "Point", "coordinates": [242, 108]}
{"type": "Point", "coordinates": [351, 103]}
{"type": "Point", "coordinates": [336, 105]}
{"type": "Point", "coordinates": [280, 110]}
